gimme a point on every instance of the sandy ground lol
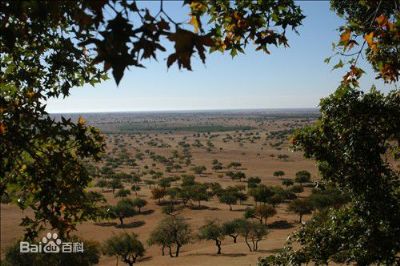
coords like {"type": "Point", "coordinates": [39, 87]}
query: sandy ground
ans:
{"type": "Point", "coordinates": [256, 160]}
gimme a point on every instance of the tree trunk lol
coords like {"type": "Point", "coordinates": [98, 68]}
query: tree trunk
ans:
{"type": "Point", "coordinates": [121, 220]}
{"type": "Point", "coordinates": [218, 243]}
{"type": "Point", "coordinates": [301, 218]}
{"type": "Point", "coordinates": [178, 247]}
{"type": "Point", "coordinates": [170, 252]}
{"type": "Point", "coordinates": [230, 207]}
{"type": "Point", "coordinates": [247, 242]}
{"type": "Point", "coordinates": [234, 238]}
{"type": "Point", "coordinates": [162, 250]}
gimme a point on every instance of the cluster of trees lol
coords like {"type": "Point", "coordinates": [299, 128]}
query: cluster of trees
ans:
{"type": "Point", "coordinates": [251, 232]}
{"type": "Point", "coordinates": [173, 232]}
{"type": "Point", "coordinates": [189, 191]}
{"type": "Point", "coordinates": [231, 195]}
{"type": "Point", "coordinates": [124, 208]}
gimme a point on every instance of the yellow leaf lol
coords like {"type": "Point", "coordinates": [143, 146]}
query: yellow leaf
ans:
{"type": "Point", "coordinates": [194, 21]}
{"type": "Point", "coordinates": [345, 36]}
{"type": "Point", "coordinates": [81, 121]}
{"type": "Point", "coordinates": [369, 38]}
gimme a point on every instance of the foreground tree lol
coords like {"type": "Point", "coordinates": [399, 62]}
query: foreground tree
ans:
{"type": "Point", "coordinates": [125, 246]}
{"type": "Point", "coordinates": [355, 142]}
{"type": "Point", "coordinates": [212, 230]}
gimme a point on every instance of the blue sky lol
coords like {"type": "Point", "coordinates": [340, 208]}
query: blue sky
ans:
{"type": "Point", "coordinates": [294, 77]}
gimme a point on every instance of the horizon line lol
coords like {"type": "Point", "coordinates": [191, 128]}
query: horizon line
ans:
{"type": "Point", "coordinates": [186, 110]}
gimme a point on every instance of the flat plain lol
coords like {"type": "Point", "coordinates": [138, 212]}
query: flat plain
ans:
{"type": "Point", "coordinates": [158, 145]}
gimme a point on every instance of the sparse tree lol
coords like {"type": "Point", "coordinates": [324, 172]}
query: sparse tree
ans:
{"type": "Point", "coordinates": [199, 170]}
{"type": "Point", "coordinates": [158, 194]}
{"type": "Point", "coordinates": [261, 193]}
{"type": "Point", "coordinates": [234, 165]}
{"type": "Point", "coordinates": [136, 188]}
{"type": "Point", "coordinates": [125, 246]}
{"type": "Point", "coordinates": [287, 182]}
{"type": "Point", "coordinates": [212, 230]}
{"type": "Point", "coordinates": [228, 197]}
{"type": "Point", "coordinates": [265, 211]}
{"type": "Point", "coordinates": [253, 182]}
{"type": "Point", "coordinates": [253, 233]}
{"type": "Point", "coordinates": [232, 228]}
{"type": "Point", "coordinates": [303, 177]}
{"type": "Point", "coordinates": [123, 209]}
{"type": "Point", "coordinates": [279, 173]}
{"type": "Point", "coordinates": [198, 192]}
{"type": "Point", "coordinates": [171, 232]}
{"type": "Point", "coordinates": [115, 184]}
{"type": "Point", "coordinates": [122, 193]}
{"type": "Point", "coordinates": [188, 180]}
{"type": "Point", "coordinates": [300, 207]}
{"type": "Point", "coordinates": [139, 203]}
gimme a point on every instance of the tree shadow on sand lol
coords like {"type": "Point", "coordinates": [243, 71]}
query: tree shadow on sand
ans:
{"type": "Point", "coordinates": [106, 224]}
{"type": "Point", "coordinates": [281, 224]}
{"type": "Point", "coordinates": [147, 258]}
{"type": "Point", "coordinates": [146, 212]}
{"type": "Point", "coordinates": [219, 255]}
{"type": "Point", "coordinates": [238, 210]}
{"type": "Point", "coordinates": [274, 250]}
{"type": "Point", "coordinates": [131, 225]}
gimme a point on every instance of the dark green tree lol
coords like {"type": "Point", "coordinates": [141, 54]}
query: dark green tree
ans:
{"type": "Point", "coordinates": [232, 228]}
{"type": "Point", "coordinates": [123, 209]}
{"type": "Point", "coordinates": [301, 207]}
{"type": "Point", "coordinates": [125, 246]}
{"type": "Point", "coordinates": [302, 176]}
{"type": "Point", "coordinates": [212, 230]}
{"type": "Point", "coordinates": [172, 231]}
{"type": "Point", "coordinates": [229, 197]}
